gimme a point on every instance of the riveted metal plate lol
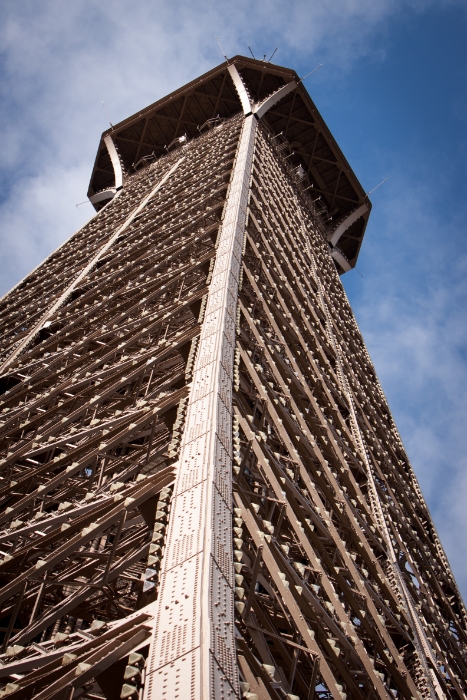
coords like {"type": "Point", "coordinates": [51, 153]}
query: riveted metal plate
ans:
{"type": "Point", "coordinates": [194, 651]}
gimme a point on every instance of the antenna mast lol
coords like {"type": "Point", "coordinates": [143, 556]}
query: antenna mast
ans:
{"type": "Point", "coordinates": [223, 52]}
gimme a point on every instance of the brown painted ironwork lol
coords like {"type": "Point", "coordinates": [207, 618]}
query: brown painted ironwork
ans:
{"type": "Point", "coordinates": [338, 583]}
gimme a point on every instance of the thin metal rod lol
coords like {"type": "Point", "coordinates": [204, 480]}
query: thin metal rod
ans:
{"type": "Point", "coordinates": [114, 547]}
{"type": "Point", "coordinates": [151, 438]}
{"type": "Point", "coordinates": [14, 615]}
{"type": "Point", "coordinates": [310, 73]}
{"type": "Point", "coordinates": [375, 188]}
{"type": "Point", "coordinates": [272, 54]}
{"type": "Point", "coordinates": [293, 667]}
{"type": "Point", "coordinates": [254, 576]}
{"type": "Point", "coordinates": [223, 52]}
{"type": "Point", "coordinates": [244, 460]}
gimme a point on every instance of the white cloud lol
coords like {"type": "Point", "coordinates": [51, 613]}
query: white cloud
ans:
{"type": "Point", "coordinates": [37, 217]}
{"type": "Point", "coordinates": [416, 334]}
{"type": "Point", "coordinates": [59, 60]}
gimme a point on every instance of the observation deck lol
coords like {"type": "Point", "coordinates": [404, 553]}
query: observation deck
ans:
{"type": "Point", "coordinates": [311, 149]}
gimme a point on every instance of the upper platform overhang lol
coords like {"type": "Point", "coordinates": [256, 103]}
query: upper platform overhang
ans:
{"type": "Point", "coordinates": [295, 115]}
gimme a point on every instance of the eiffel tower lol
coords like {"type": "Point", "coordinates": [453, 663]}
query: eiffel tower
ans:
{"type": "Point", "coordinates": [204, 495]}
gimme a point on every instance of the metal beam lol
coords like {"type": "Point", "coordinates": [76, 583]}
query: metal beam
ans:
{"type": "Point", "coordinates": [193, 652]}
{"type": "Point", "coordinates": [241, 89]}
{"type": "Point", "coordinates": [343, 262]}
{"type": "Point", "coordinates": [261, 109]}
{"type": "Point", "coordinates": [347, 223]}
{"type": "Point", "coordinates": [117, 166]}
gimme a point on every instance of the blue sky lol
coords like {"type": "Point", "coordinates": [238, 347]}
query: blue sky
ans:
{"type": "Point", "coordinates": [393, 91]}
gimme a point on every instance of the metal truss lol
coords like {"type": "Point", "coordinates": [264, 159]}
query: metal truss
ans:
{"type": "Point", "coordinates": [99, 344]}
{"type": "Point", "coordinates": [203, 492]}
{"type": "Point", "coordinates": [341, 576]}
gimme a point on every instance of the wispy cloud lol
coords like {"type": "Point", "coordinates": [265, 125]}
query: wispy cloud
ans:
{"type": "Point", "coordinates": [59, 61]}
{"type": "Point", "coordinates": [411, 309]}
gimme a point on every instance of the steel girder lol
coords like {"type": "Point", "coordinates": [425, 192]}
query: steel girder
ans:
{"type": "Point", "coordinates": [203, 491]}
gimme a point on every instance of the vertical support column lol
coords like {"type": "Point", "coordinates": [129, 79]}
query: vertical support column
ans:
{"type": "Point", "coordinates": [117, 166]}
{"type": "Point", "coordinates": [192, 653]}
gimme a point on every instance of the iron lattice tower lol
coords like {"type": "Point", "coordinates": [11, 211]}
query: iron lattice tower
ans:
{"type": "Point", "coordinates": [203, 492]}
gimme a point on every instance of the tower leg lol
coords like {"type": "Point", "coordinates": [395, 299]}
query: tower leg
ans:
{"type": "Point", "coordinates": [193, 652]}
